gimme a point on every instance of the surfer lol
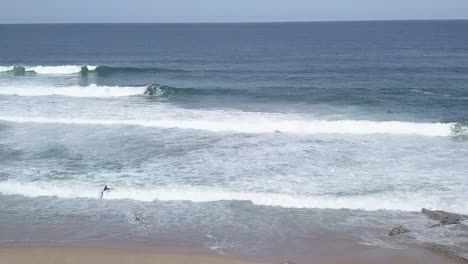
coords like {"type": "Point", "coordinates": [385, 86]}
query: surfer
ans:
{"type": "Point", "coordinates": [106, 189]}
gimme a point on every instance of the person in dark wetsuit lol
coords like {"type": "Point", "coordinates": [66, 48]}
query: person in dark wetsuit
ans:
{"type": "Point", "coordinates": [106, 189]}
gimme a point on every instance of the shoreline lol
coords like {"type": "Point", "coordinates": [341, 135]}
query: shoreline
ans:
{"type": "Point", "coordinates": [134, 252]}
{"type": "Point", "coordinates": [82, 255]}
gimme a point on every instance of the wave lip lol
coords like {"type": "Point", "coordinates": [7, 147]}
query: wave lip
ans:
{"type": "Point", "coordinates": [65, 69]}
{"type": "Point", "coordinates": [74, 91]}
{"type": "Point", "coordinates": [92, 90]}
{"type": "Point", "coordinates": [255, 123]}
{"type": "Point", "coordinates": [59, 69]}
{"type": "Point", "coordinates": [200, 194]}
{"type": "Point", "coordinates": [83, 69]}
{"type": "Point", "coordinates": [6, 68]}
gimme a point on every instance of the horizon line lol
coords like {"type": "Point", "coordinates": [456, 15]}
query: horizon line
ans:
{"type": "Point", "coordinates": [238, 22]}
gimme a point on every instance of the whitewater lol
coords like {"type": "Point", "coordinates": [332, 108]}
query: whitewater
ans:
{"type": "Point", "coordinates": [73, 91]}
{"type": "Point", "coordinates": [249, 123]}
{"type": "Point", "coordinates": [165, 115]}
{"type": "Point", "coordinates": [404, 201]}
{"type": "Point", "coordinates": [80, 69]}
{"type": "Point", "coordinates": [233, 138]}
{"type": "Point", "coordinates": [61, 69]}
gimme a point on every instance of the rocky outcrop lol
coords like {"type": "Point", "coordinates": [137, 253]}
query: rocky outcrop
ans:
{"type": "Point", "coordinates": [398, 230]}
{"type": "Point", "coordinates": [438, 215]}
{"type": "Point", "coordinates": [447, 221]}
{"type": "Point", "coordinates": [444, 218]}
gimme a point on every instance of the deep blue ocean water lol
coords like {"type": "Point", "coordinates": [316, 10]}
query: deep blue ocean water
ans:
{"type": "Point", "coordinates": [246, 136]}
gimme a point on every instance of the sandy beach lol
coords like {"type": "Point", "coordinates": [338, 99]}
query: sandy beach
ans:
{"type": "Point", "coordinates": [69, 254]}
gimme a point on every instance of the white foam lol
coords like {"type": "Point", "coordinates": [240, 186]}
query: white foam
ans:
{"type": "Point", "coordinates": [219, 121]}
{"type": "Point", "coordinates": [6, 68]}
{"type": "Point", "coordinates": [73, 91]}
{"type": "Point", "coordinates": [61, 69]}
{"type": "Point", "coordinates": [64, 69]}
{"type": "Point", "coordinates": [370, 202]}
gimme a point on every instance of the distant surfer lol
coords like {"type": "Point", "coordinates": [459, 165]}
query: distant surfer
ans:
{"type": "Point", "coordinates": [106, 189]}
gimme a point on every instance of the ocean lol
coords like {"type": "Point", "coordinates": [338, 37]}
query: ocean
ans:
{"type": "Point", "coordinates": [243, 138]}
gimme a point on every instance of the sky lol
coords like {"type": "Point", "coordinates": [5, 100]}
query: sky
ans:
{"type": "Point", "coordinates": [147, 11]}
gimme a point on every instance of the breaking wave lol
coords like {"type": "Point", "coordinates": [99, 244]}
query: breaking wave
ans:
{"type": "Point", "coordinates": [74, 91]}
{"type": "Point", "coordinates": [256, 123]}
{"type": "Point", "coordinates": [6, 68]}
{"type": "Point", "coordinates": [382, 201]}
{"type": "Point", "coordinates": [83, 69]}
{"type": "Point", "coordinates": [156, 90]}
{"type": "Point", "coordinates": [167, 91]}
{"type": "Point", "coordinates": [63, 69]}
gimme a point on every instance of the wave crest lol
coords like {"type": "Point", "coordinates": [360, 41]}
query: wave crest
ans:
{"type": "Point", "coordinates": [199, 194]}
{"type": "Point", "coordinates": [83, 69]}
{"type": "Point", "coordinates": [93, 90]}
{"type": "Point", "coordinates": [255, 123]}
{"type": "Point", "coordinates": [64, 69]}
{"type": "Point", "coordinates": [74, 91]}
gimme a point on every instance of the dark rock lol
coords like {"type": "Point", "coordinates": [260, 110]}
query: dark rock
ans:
{"type": "Point", "coordinates": [439, 215]}
{"type": "Point", "coordinates": [398, 230]}
{"type": "Point", "coordinates": [447, 221]}
{"type": "Point", "coordinates": [444, 218]}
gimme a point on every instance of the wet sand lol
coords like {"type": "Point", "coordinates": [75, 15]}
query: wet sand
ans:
{"type": "Point", "coordinates": [79, 255]}
{"type": "Point", "coordinates": [55, 254]}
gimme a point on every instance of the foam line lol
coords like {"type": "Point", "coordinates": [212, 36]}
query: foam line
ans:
{"type": "Point", "coordinates": [61, 69]}
{"type": "Point", "coordinates": [73, 91]}
{"type": "Point", "coordinates": [384, 201]}
{"type": "Point", "coordinates": [6, 68]}
{"type": "Point", "coordinates": [65, 69]}
{"type": "Point", "coordinates": [84, 69]}
{"type": "Point", "coordinates": [257, 123]}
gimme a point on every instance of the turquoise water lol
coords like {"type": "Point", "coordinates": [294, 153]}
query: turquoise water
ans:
{"type": "Point", "coordinates": [248, 137]}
